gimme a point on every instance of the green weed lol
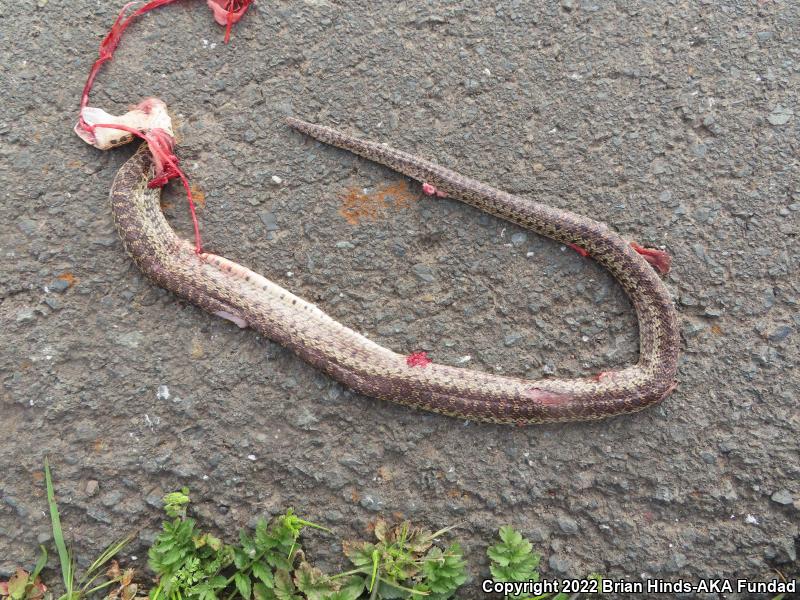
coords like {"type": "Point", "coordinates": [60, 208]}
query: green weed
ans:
{"type": "Point", "coordinates": [24, 585]}
{"type": "Point", "coordinates": [92, 580]}
{"type": "Point", "coordinates": [195, 565]}
{"type": "Point", "coordinates": [404, 563]}
{"type": "Point", "coordinates": [268, 563]}
{"type": "Point", "coordinates": [513, 559]}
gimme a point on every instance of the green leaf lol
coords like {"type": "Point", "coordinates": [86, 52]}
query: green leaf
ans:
{"type": "Point", "coordinates": [243, 584]}
{"type": "Point", "coordinates": [340, 595]}
{"type": "Point", "coordinates": [64, 558]}
{"type": "Point", "coordinates": [17, 584]}
{"type": "Point", "coordinates": [204, 591]}
{"type": "Point", "coordinates": [375, 563]}
{"type": "Point", "coordinates": [279, 562]}
{"type": "Point", "coordinates": [262, 592]}
{"type": "Point", "coordinates": [352, 588]}
{"type": "Point", "coordinates": [390, 592]}
{"type": "Point", "coordinates": [173, 556]}
{"type": "Point", "coordinates": [176, 503]}
{"type": "Point", "coordinates": [312, 582]}
{"type": "Point", "coordinates": [444, 572]}
{"type": "Point", "coordinates": [264, 573]}
{"type": "Point", "coordinates": [247, 543]}
{"type": "Point", "coordinates": [359, 553]}
{"type": "Point", "coordinates": [240, 559]}
{"type": "Point", "coordinates": [284, 588]}
{"type": "Point", "coordinates": [39, 563]}
{"type": "Point", "coordinates": [498, 556]}
{"type": "Point", "coordinates": [512, 559]}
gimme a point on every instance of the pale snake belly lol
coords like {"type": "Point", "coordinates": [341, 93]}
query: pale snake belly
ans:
{"type": "Point", "coordinates": [225, 288]}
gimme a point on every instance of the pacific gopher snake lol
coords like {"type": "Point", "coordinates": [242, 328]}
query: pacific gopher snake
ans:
{"type": "Point", "coordinates": [227, 289]}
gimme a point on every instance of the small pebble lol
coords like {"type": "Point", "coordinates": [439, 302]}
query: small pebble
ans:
{"type": "Point", "coordinates": [132, 339]}
{"type": "Point", "coordinates": [558, 564]}
{"type": "Point", "coordinates": [708, 457]}
{"type": "Point", "coordinates": [659, 166]}
{"type": "Point", "coordinates": [53, 303]}
{"type": "Point", "coordinates": [306, 418]}
{"type": "Point", "coordinates": [58, 285]}
{"type": "Point", "coordinates": [677, 562]}
{"type": "Point", "coordinates": [423, 272]}
{"type": "Point", "coordinates": [26, 226]}
{"type": "Point", "coordinates": [26, 315]}
{"type": "Point", "coordinates": [269, 220]}
{"type": "Point", "coordinates": [782, 497]}
{"type": "Point", "coordinates": [111, 498]}
{"type": "Point", "coordinates": [780, 115]}
{"type": "Point", "coordinates": [568, 525]}
{"type": "Point", "coordinates": [780, 334]}
{"type": "Point", "coordinates": [372, 502]}
{"type": "Point", "coordinates": [519, 238]}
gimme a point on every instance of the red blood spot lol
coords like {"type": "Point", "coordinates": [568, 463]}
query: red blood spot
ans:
{"type": "Point", "coordinates": [431, 190]}
{"type": "Point", "coordinates": [579, 250]}
{"type": "Point", "coordinates": [658, 258]}
{"type": "Point", "coordinates": [418, 359]}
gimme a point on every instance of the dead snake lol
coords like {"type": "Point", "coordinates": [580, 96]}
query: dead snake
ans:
{"type": "Point", "coordinates": [227, 289]}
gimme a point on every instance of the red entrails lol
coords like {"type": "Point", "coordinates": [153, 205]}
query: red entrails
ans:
{"type": "Point", "coordinates": [418, 359]}
{"type": "Point", "coordinates": [228, 12]}
{"type": "Point", "coordinates": [166, 166]}
{"type": "Point", "coordinates": [109, 44]}
{"type": "Point", "coordinates": [603, 375]}
{"type": "Point", "coordinates": [578, 249]}
{"type": "Point", "coordinates": [226, 15]}
{"type": "Point", "coordinates": [159, 141]}
{"type": "Point", "coordinates": [658, 258]}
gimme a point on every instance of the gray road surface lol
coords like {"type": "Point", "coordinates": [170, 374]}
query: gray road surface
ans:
{"type": "Point", "coordinates": [675, 122]}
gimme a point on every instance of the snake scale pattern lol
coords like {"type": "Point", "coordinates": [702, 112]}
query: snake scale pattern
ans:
{"type": "Point", "coordinates": [227, 289]}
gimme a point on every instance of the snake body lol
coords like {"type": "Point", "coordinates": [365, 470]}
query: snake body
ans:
{"type": "Point", "coordinates": [225, 288]}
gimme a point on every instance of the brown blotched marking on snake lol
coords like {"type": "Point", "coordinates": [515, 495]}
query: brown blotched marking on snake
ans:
{"type": "Point", "coordinates": [227, 289]}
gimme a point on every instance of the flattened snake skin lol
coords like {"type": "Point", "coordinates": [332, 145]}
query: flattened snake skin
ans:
{"type": "Point", "coordinates": [225, 288]}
